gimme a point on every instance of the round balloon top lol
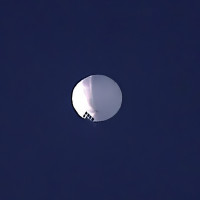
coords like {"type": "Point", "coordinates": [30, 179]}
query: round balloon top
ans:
{"type": "Point", "coordinates": [97, 98]}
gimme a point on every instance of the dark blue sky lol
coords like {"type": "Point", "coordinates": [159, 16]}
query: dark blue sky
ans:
{"type": "Point", "coordinates": [149, 150]}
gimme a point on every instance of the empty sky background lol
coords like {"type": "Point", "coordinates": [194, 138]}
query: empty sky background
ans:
{"type": "Point", "coordinates": [149, 150]}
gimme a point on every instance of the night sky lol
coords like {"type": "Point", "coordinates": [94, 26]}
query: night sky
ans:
{"type": "Point", "coordinates": [150, 150]}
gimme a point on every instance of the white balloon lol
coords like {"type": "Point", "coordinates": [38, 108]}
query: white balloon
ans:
{"type": "Point", "coordinates": [97, 97]}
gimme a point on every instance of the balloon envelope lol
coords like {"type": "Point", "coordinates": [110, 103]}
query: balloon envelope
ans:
{"type": "Point", "coordinates": [97, 97]}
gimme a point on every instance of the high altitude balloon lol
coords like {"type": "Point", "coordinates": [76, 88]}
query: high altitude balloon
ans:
{"type": "Point", "coordinates": [97, 98]}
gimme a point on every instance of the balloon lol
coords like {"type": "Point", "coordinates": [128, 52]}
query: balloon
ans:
{"type": "Point", "coordinates": [97, 98]}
